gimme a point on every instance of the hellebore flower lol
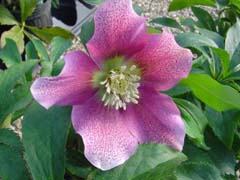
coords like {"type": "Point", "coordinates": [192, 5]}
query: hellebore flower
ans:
{"type": "Point", "coordinates": [114, 92]}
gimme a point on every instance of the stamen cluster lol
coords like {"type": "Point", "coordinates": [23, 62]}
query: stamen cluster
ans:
{"type": "Point", "coordinates": [121, 87]}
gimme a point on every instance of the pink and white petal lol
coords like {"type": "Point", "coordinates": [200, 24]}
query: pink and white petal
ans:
{"type": "Point", "coordinates": [159, 119]}
{"type": "Point", "coordinates": [73, 85]}
{"type": "Point", "coordinates": [107, 140]}
{"type": "Point", "coordinates": [119, 31]}
{"type": "Point", "coordinates": [163, 61]}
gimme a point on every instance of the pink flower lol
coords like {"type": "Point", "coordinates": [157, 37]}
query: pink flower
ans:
{"type": "Point", "coordinates": [114, 92]}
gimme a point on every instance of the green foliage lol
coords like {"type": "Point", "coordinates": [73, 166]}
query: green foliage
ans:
{"type": "Point", "coordinates": [181, 4]}
{"type": "Point", "coordinates": [214, 94]}
{"type": "Point", "coordinates": [11, 157]}
{"type": "Point", "coordinates": [44, 139]}
{"type": "Point", "coordinates": [6, 18]}
{"type": "Point", "coordinates": [150, 160]}
{"type": "Point", "coordinates": [27, 8]}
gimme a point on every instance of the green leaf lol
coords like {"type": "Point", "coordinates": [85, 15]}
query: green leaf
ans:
{"type": "Point", "coordinates": [224, 59]}
{"type": "Point", "coordinates": [166, 21]}
{"type": "Point", "coordinates": [44, 139]}
{"type": "Point", "coordinates": [199, 165]}
{"type": "Point", "coordinates": [194, 40]}
{"type": "Point", "coordinates": [11, 158]}
{"type": "Point", "coordinates": [47, 34]}
{"type": "Point", "coordinates": [177, 90]}
{"type": "Point", "coordinates": [87, 31]}
{"type": "Point", "coordinates": [16, 34]}
{"type": "Point", "coordinates": [6, 18]}
{"type": "Point", "coordinates": [94, 2]}
{"type": "Point", "coordinates": [27, 7]}
{"type": "Point", "coordinates": [58, 47]}
{"type": "Point", "coordinates": [212, 93]}
{"type": "Point", "coordinates": [226, 164]}
{"type": "Point", "coordinates": [181, 4]}
{"type": "Point", "coordinates": [223, 124]}
{"type": "Point", "coordinates": [10, 54]}
{"type": "Point", "coordinates": [233, 38]}
{"type": "Point", "coordinates": [8, 137]}
{"type": "Point", "coordinates": [217, 38]}
{"type": "Point", "coordinates": [195, 121]}
{"type": "Point", "coordinates": [139, 10]}
{"type": "Point", "coordinates": [13, 97]}
{"type": "Point", "coordinates": [205, 20]}
{"type": "Point", "coordinates": [147, 158]}
{"type": "Point", "coordinates": [235, 60]}
{"type": "Point", "coordinates": [41, 50]}
{"type": "Point", "coordinates": [31, 51]}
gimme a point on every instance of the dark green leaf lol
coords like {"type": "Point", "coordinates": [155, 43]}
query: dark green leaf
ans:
{"type": "Point", "coordinates": [217, 38]}
{"type": "Point", "coordinates": [223, 124]}
{"type": "Point", "coordinates": [8, 137]}
{"type": "Point", "coordinates": [224, 59]}
{"type": "Point", "coordinates": [47, 34]}
{"type": "Point", "coordinates": [214, 94]}
{"type": "Point", "coordinates": [195, 121]}
{"type": "Point", "coordinates": [31, 51]}
{"type": "Point", "coordinates": [235, 60]}
{"type": "Point", "coordinates": [16, 34]}
{"type": "Point", "coordinates": [165, 21]}
{"type": "Point", "coordinates": [58, 47]}
{"type": "Point", "coordinates": [12, 164]}
{"type": "Point", "coordinates": [223, 158]}
{"type": "Point", "coordinates": [194, 40]}
{"type": "Point", "coordinates": [177, 90]}
{"type": "Point", "coordinates": [10, 54]}
{"type": "Point", "coordinates": [147, 157]}
{"type": "Point", "coordinates": [204, 18]}
{"type": "Point", "coordinates": [94, 2]}
{"type": "Point", "coordinates": [27, 8]}
{"type": "Point", "coordinates": [181, 4]}
{"type": "Point", "coordinates": [87, 31]}
{"type": "Point", "coordinates": [233, 38]}
{"type": "Point", "coordinates": [41, 50]}
{"type": "Point", "coordinates": [13, 98]}
{"type": "Point", "coordinates": [11, 158]}
{"type": "Point", "coordinates": [44, 139]}
{"type": "Point", "coordinates": [6, 18]}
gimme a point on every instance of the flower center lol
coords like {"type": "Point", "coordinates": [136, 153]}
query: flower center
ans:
{"type": "Point", "coordinates": [119, 85]}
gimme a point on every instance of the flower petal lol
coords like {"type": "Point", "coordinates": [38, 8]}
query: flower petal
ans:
{"type": "Point", "coordinates": [118, 31]}
{"type": "Point", "coordinates": [72, 86]}
{"type": "Point", "coordinates": [158, 119]}
{"type": "Point", "coordinates": [107, 141]}
{"type": "Point", "coordinates": [163, 61]}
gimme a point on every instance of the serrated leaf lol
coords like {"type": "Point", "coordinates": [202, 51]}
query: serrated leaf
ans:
{"type": "Point", "coordinates": [233, 38]}
{"type": "Point", "coordinates": [195, 121]}
{"type": "Point", "coordinates": [44, 139]}
{"type": "Point", "coordinates": [27, 7]}
{"type": "Point", "coordinates": [41, 50]}
{"type": "Point", "coordinates": [6, 18]}
{"type": "Point", "coordinates": [10, 54]}
{"type": "Point", "coordinates": [11, 158]}
{"type": "Point", "coordinates": [16, 34]}
{"type": "Point", "coordinates": [181, 4]}
{"type": "Point", "coordinates": [31, 51]}
{"type": "Point", "coordinates": [47, 34]}
{"type": "Point", "coordinates": [58, 47]}
{"type": "Point", "coordinates": [147, 157]}
{"type": "Point", "coordinates": [218, 96]}
{"type": "Point", "coordinates": [166, 21]}
{"type": "Point", "coordinates": [13, 98]}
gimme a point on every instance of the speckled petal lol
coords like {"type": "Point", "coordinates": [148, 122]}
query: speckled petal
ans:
{"type": "Point", "coordinates": [118, 31]}
{"type": "Point", "coordinates": [163, 61]}
{"type": "Point", "coordinates": [72, 86]}
{"type": "Point", "coordinates": [107, 140]}
{"type": "Point", "coordinates": [158, 119]}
